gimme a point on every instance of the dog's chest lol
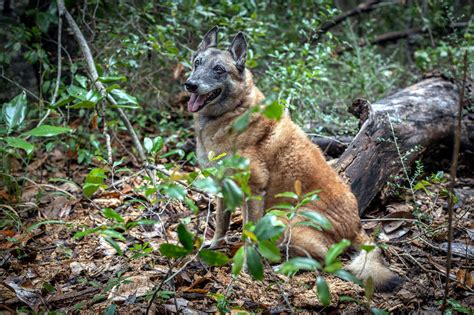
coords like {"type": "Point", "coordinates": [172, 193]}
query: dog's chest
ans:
{"type": "Point", "coordinates": [214, 140]}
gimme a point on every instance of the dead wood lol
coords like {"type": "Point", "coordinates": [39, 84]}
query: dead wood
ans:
{"type": "Point", "coordinates": [332, 146]}
{"type": "Point", "coordinates": [399, 128]}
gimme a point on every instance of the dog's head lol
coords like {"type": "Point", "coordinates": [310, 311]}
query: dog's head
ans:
{"type": "Point", "coordinates": [218, 76]}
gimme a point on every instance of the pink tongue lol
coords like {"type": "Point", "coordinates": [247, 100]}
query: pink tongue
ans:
{"type": "Point", "coordinates": [195, 102]}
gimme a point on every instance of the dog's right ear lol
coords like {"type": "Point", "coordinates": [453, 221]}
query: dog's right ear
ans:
{"type": "Point", "coordinates": [209, 40]}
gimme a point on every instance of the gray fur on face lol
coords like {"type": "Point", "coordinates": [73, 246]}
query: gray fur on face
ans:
{"type": "Point", "coordinates": [215, 69]}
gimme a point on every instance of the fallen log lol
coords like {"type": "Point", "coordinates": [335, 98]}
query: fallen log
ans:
{"type": "Point", "coordinates": [400, 128]}
{"type": "Point", "coordinates": [332, 147]}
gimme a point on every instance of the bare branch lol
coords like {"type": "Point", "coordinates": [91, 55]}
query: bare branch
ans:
{"type": "Point", "coordinates": [454, 165]}
{"type": "Point", "coordinates": [95, 78]}
{"type": "Point", "coordinates": [58, 75]}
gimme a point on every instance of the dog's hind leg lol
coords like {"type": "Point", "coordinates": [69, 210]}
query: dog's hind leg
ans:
{"type": "Point", "coordinates": [305, 240]}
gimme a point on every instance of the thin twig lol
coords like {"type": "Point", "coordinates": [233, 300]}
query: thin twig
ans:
{"type": "Point", "coordinates": [163, 171]}
{"type": "Point", "coordinates": [19, 85]}
{"type": "Point", "coordinates": [58, 75]}
{"type": "Point", "coordinates": [169, 278]}
{"type": "Point", "coordinates": [454, 165]}
{"type": "Point", "coordinates": [405, 171]}
{"type": "Point", "coordinates": [280, 287]}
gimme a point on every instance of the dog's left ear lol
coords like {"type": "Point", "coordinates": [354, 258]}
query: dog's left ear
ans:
{"type": "Point", "coordinates": [238, 50]}
{"type": "Point", "coordinates": [209, 40]}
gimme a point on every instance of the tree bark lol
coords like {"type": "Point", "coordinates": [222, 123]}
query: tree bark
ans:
{"type": "Point", "coordinates": [401, 127]}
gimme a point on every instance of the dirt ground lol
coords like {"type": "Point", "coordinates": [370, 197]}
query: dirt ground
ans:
{"type": "Point", "coordinates": [45, 269]}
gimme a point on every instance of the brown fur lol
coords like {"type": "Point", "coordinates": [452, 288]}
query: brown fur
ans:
{"type": "Point", "coordinates": [281, 153]}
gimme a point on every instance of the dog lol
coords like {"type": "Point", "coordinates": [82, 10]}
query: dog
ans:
{"type": "Point", "coordinates": [280, 153]}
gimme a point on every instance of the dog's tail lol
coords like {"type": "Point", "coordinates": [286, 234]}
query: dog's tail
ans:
{"type": "Point", "coordinates": [370, 264]}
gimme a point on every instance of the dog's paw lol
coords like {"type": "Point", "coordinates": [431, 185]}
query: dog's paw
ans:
{"type": "Point", "coordinates": [215, 243]}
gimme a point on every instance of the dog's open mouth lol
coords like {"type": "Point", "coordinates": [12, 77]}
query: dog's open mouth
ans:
{"type": "Point", "coordinates": [196, 102]}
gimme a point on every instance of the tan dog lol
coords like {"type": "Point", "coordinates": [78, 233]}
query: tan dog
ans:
{"type": "Point", "coordinates": [279, 152]}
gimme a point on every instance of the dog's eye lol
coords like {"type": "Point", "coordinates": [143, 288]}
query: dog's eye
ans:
{"type": "Point", "coordinates": [219, 69]}
{"type": "Point", "coordinates": [196, 63]}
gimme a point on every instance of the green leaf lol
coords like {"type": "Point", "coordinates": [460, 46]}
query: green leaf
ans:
{"type": "Point", "coordinates": [317, 218]}
{"type": "Point", "coordinates": [337, 265]}
{"type": "Point", "coordinates": [296, 264]}
{"type": "Point", "coordinates": [207, 184]}
{"type": "Point", "coordinates": [178, 152]}
{"type": "Point", "coordinates": [83, 104]}
{"type": "Point", "coordinates": [191, 205]}
{"type": "Point", "coordinates": [19, 143]}
{"type": "Point", "coordinates": [238, 261]}
{"type": "Point", "coordinates": [114, 244]}
{"type": "Point", "coordinates": [14, 112]}
{"type": "Point", "coordinates": [94, 180]}
{"type": "Point", "coordinates": [287, 194]}
{"type": "Point", "coordinates": [323, 291]}
{"type": "Point", "coordinates": [269, 227]}
{"type": "Point", "coordinates": [38, 224]}
{"type": "Point", "coordinates": [77, 92]}
{"type": "Point", "coordinates": [269, 250]}
{"type": "Point", "coordinates": [47, 131]}
{"type": "Point", "coordinates": [185, 238]}
{"type": "Point", "coordinates": [158, 143]}
{"type": "Point", "coordinates": [274, 110]}
{"type": "Point", "coordinates": [175, 191]}
{"type": "Point", "coordinates": [111, 309]}
{"type": "Point", "coordinates": [347, 298]}
{"type": "Point", "coordinates": [241, 123]}
{"type": "Point", "coordinates": [96, 176]}
{"type": "Point", "coordinates": [335, 250]}
{"type": "Point", "coordinates": [110, 79]}
{"type": "Point", "coordinates": [148, 144]}
{"type": "Point", "coordinates": [233, 195]}
{"type": "Point", "coordinates": [123, 97]}
{"type": "Point", "coordinates": [112, 87]}
{"type": "Point", "coordinates": [82, 80]}
{"type": "Point", "coordinates": [369, 288]}
{"type": "Point", "coordinates": [378, 311]}
{"type": "Point", "coordinates": [109, 213]}
{"type": "Point", "coordinates": [81, 234]}
{"type": "Point", "coordinates": [367, 247]}
{"type": "Point", "coordinates": [114, 234]}
{"type": "Point", "coordinates": [346, 275]}
{"type": "Point", "coordinates": [173, 251]}
{"type": "Point", "coordinates": [89, 189]}
{"type": "Point", "coordinates": [213, 258]}
{"type": "Point", "coordinates": [254, 263]}
{"type": "Point", "coordinates": [63, 101]}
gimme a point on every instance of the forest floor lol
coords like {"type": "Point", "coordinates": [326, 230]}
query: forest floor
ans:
{"type": "Point", "coordinates": [46, 269]}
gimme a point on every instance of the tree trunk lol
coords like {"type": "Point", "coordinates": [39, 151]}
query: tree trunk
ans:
{"type": "Point", "coordinates": [401, 126]}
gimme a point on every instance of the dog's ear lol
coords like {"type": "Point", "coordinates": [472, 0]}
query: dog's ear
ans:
{"type": "Point", "coordinates": [238, 50]}
{"type": "Point", "coordinates": [209, 40]}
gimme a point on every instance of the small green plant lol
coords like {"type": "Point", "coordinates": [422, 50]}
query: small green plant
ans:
{"type": "Point", "coordinates": [115, 231]}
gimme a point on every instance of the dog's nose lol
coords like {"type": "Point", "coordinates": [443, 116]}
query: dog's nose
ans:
{"type": "Point", "coordinates": [190, 86]}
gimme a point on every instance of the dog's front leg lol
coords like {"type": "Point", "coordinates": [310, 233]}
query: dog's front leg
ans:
{"type": "Point", "coordinates": [253, 209]}
{"type": "Point", "coordinates": [222, 223]}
